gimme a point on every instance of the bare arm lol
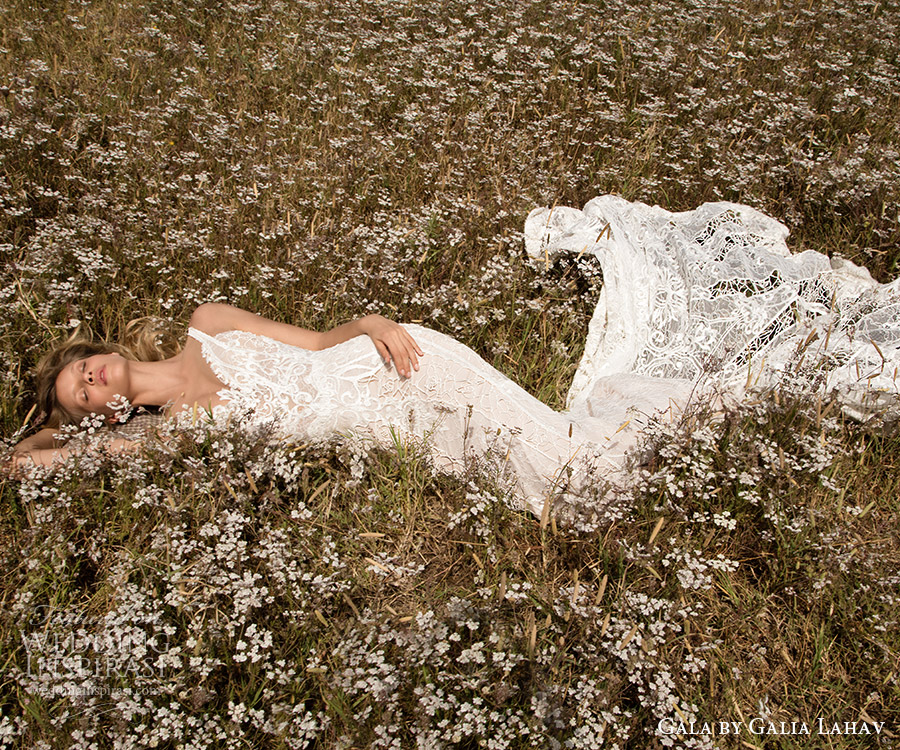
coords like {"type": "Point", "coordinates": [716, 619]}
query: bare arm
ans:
{"type": "Point", "coordinates": [36, 457]}
{"type": "Point", "coordinates": [42, 449]}
{"type": "Point", "coordinates": [40, 440]}
{"type": "Point", "coordinates": [392, 340]}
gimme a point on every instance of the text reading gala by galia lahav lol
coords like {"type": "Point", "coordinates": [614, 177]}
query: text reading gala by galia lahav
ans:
{"type": "Point", "coordinates": [762, 726]}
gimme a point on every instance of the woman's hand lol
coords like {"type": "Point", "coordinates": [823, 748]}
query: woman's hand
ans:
{"type": "Point", "coordinates": [37, 449]}
{"type": "Point", "coordinates": [393, 343]}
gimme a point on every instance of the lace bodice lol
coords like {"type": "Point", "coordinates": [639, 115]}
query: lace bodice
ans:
{"type": "Point", "coordinates": [306, 394]}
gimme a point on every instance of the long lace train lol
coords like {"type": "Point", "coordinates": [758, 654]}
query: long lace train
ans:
{"type": "Point", "coordinates": [715, 293]}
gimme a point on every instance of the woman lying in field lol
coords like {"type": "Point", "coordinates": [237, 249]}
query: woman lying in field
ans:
{"type": "Point", "coordinates": [692, 303]}
{"type": "Point", "coordinates": [311, 386]}
{"type": "Point", "coordinates": [83, 377]}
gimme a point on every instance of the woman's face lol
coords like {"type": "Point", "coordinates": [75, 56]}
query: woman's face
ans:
{"type": "Point", "coordinates": [90, 385]}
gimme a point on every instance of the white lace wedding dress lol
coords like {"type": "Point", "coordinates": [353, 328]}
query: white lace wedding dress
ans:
{"type": "Point", "coordinates": [691, 299]}
{"type": "Point", "coordinates": [456, 403]}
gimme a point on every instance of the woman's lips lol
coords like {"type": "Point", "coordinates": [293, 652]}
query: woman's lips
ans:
{"type": "Point", "coordinates": [102, 375]}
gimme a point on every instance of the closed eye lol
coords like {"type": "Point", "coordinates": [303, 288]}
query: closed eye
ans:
{"type": "Point", "coordinates": [81, 365]}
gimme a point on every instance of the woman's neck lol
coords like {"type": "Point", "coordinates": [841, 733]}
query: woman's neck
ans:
{"type": "Point", "coordinates": [158, 383]}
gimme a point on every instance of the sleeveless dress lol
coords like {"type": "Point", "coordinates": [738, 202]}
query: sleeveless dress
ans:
{"type": "Point", "coordinates": [456, 405]}
{"type": "Point", "coordinates": [692, 303]}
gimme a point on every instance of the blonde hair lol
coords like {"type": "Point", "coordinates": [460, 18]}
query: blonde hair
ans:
{"type": "Point", "coordinates": [144, 339]}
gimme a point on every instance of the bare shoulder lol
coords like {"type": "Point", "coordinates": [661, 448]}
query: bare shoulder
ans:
{"type": "Point", "coordinates": [214, 317]}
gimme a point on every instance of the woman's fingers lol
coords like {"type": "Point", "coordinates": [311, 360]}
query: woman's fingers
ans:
{"type": "Point", "coordinates": [17, 463]}
{"type": "Point", "coordinates": [400, 355]}
{"type": "Point", "coordinates": [383, 351]}
{"type": "Point", "coordinates": [412, 341]}
{"type": "Point", "coordinates": [403, 350]}
{"type": "Point", "coordinates": [410, 349]}
{"type": "Point", "coordinates": [395, 344]}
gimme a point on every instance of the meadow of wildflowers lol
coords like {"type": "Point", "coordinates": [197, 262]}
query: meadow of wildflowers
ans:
{"type": "Point", "coordinates": [314, 161]}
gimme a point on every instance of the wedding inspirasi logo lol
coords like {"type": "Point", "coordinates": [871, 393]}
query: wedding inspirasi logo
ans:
{"type": "Point", "coordinates": [70, 654]}
{"type": "Point", "coordinates": [763, 726]}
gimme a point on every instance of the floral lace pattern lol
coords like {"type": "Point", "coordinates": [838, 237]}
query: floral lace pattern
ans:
{"type": "Point", "coordinates": [456, 403]}
{"type": "Point", "coordinates": [715, 291]}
